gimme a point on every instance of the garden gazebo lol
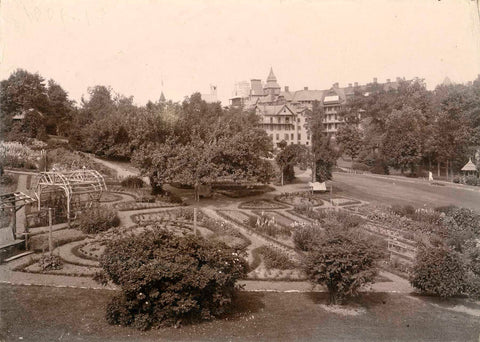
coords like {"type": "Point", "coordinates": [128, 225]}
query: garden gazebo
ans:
{"type": "Point", "coordinates": [470, 168]}
{"type": "Point", "coordinates": [81, 188]}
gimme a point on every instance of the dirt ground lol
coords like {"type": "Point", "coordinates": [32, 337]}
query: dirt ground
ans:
{"type": "Point", "coordinates": [34, 313]}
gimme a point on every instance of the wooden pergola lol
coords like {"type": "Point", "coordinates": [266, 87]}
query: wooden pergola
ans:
{"type": "Point", "coordinates": [14, 201]}
{"type": "Point", "coordinates": [81, 187]}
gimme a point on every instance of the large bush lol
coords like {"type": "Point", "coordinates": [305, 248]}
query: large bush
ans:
{"type": "Point", "coordinates": [97, 220]}
{"type": "Point", "coordinates": [168, 279]}
{"type": "Point", "coordinates": [343, 260]}
{"type": "Point", "coordinates": [440, 271]}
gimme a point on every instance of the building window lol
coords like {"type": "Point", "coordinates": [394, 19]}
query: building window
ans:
{"type": "Point", "coordinates": [308, 136]}
{"type": "Point", "coordinates": [286, 120]}
{"type": "Point", "coordinates": [278, 136]}
{"type": "Point", "coordinates": [271, 136]}
{"type": "Point", "coordinates": [299, 137]}
{"type": "Point", "coordinates": [298, 120]}
{"type": "Point", "coordinates": [292, 136]}
{"type": "Point", "coordinates": [279, 120]}
{"type": "Point", "coordinates": [271, 120]}
{"type": "Point", "coordinates": [307, 142]}
{"type": "Point", "coordinates": [298, 128]}
{"type": "Point", "coordinates": [286, 136]}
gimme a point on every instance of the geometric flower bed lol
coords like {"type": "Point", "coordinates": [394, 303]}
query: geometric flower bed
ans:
{"type": "Point", "coordinates": [300, 198]}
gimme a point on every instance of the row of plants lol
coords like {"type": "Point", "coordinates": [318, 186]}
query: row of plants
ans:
{"type": "Point", "coordinates": [17, 155]}
{"type": "Point", "coordinates": [275, 258]}
{"type": "Point", "coordinates": [267, 225]}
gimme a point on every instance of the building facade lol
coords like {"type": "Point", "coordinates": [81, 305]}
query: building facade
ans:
{"type": "Point", "coordinates": [283, 114]}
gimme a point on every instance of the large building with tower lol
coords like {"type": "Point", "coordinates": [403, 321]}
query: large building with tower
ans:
{"type": "Point", "coordinates": [283, 113]}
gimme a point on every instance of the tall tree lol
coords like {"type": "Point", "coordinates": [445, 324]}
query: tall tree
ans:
{"type": "Point", "coordinates": [350, 139]}
{"type": "Point", "coordinates": [403, 140]}
{"type": "Point", "coordinates": [324, 150]}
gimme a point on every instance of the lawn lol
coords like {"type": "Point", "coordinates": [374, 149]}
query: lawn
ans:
{"type": "Point", "coordinates": [55, 314]}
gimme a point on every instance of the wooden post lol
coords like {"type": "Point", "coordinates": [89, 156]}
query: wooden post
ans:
{"type": "Point", "coordinates": [313, 172]}
{"type": "Point", "coordinates": [195, 221]}
{"type": "Point", "coordinates": [282, 175]}
{"type": "Point", "coordinates": [14, 219]}
{"type": "Point", "coordinates": [331, 197]}
{"type": "Point", "coordinates": [50, 228]}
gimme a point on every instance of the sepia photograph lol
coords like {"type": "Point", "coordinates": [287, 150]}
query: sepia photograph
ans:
{"type": "Point", "coordinates": [227, 170]}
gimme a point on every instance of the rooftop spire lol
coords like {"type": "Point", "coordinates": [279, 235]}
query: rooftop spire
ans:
{"type": "Point", "coordinates": [271, 76]}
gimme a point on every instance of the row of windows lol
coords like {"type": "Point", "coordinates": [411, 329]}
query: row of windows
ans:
{"type": "Point", "coordinates": [332, 109]}
{"type": "Point", "coordinates": [287, 136]}
{"type": "Point", "coordinates": [287, 120]}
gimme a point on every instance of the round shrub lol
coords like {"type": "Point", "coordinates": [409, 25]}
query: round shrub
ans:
{"type": "Point", "coordinates": [439, 271]}
{"type": "Point", "coordinates": [343, 260]}
{"type": "Point", "coordinates": [99, 219]}
{"type": "Point", "coordinates": [168, 279]}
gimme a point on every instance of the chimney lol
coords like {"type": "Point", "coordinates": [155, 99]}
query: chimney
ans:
{"type": "Point", "coordinates": [374, 80]}
{"type": "Point", "coordinates": [286, 89]}
{"type": "Point", "coordinates": [388, 80]}
{"type": "Point", "coordinates": [305, 88]}
{"type": "Point", "coordinates": [356, 84]}
{"type": "Point", "coordinates": [335, 85]}
{"type": "Point", "coordinates": [398, 79]}
{"type": "Point", "coordinates": [349, 85]}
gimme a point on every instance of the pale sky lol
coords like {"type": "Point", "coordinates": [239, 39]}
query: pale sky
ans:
{"type": "Point", "coordinates": [133, 45]}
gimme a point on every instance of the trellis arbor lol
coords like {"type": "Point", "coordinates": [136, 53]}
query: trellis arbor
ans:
{"type": "Point", "coordinates": [73, 190]}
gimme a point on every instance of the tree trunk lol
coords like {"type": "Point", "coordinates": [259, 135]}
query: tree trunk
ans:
{"type": "Point", "coordinates": [446, 169]}
{"type": "Point", "coordinates": [438, 169]}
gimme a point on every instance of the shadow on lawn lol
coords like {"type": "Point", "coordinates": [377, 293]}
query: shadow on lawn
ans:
{"type": "Point", "coordinates": [244, 304]}
{"type": "Point", "coordinates": [365, 300]}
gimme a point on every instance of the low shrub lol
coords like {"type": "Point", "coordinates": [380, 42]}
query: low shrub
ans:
{"type": "Point", "coordinates": [439, 271]}
{"type": "Point", "coordinates": [6, 180]}
{"type": "Point", "coordinates": [173, 198]}
{"type": "Point", "coordinates": [405, 210]}
{"type": "Point", "coordinates": [50, 262]}
{"type": "Point", "coordinates": [456, 180]}
{"type": "Point", "coordinates": [304, 236]}
{"type": "Point", "coordinates": [169, 280]}
{"type": "Point", "coordinates": [360, 166]}
{"type": "Point", "coordinates": [472, 180]}
{"type": "Point", "coordinates": [132, 182]}
{"type": "Point", "coordinates": [97, 220]}
{"type": "Point", "coordinates": [275, 258]}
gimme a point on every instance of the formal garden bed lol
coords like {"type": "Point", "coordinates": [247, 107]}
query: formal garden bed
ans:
{"type": "Point", "coordinates": [342, 202]}
{"type": "Point", "coordinates": [133, 205]}
{"type": "Point", "coordinates": [262, 204]}
{"type": "Point", "coordinates": [300, 198]}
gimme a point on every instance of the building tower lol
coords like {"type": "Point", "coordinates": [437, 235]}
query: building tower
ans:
{"type": "Point", "coordinates": [272, 87]}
